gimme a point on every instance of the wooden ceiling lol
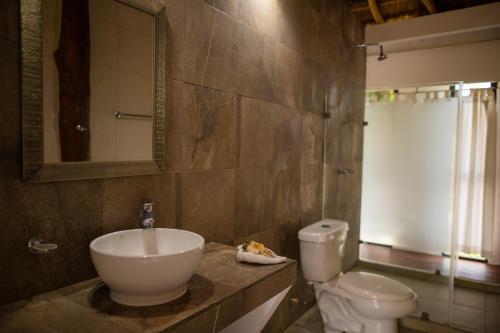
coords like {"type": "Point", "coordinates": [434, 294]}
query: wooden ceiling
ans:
{"type": "Point", "coordinates": [380, 11]}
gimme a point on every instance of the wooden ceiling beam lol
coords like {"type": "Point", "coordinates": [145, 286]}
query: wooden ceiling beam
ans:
{"type": "Point", "coordinates": [361, 7]}
{"type": "Point", "coordinates": [377, 16]}
{"type": "Point", "coordinates": [430, 6]}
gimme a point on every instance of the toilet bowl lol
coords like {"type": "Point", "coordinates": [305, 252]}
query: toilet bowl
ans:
{"type": "Point", "coordinates": [363, 302]}
{"type": "Point", "coordinates": [354, 301]}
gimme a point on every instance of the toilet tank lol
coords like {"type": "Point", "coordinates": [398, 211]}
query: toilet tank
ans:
{"type": "Point", "coordinates": [322, 249]}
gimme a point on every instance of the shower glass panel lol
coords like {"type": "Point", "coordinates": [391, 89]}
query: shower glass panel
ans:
{"type": "Point", "coordinates": [408, 189]}
{"type": "Point", "coordinates": [408, 174]}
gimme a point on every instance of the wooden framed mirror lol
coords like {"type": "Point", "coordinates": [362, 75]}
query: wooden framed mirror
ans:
{"type": "Point", "coordinates": [93, 88]}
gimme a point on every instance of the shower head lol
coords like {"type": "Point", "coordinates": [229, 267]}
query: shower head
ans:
{"type": "Point", "coordinates": [381, 54]}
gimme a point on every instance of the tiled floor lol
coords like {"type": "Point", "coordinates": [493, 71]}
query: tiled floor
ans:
{"type": "Point", "coordinates": [311, 322]}
{"type": "Point", "coordinates": [473, 311]}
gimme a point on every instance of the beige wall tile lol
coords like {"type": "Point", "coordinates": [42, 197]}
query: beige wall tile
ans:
{"type": "Point", "coordinates": [103, 135]}
{"type": "Point", "coordinates": [103, 89]}
{"type": "Point", "coordinates": [135, 20]}
{"type": "Point", "coordinates": [134, 93]}
{"type": "Point", "coordinates": [104, 43]}
{"type": "Point", "coordinates": [134, 140]}
{"type": "Point", "coordinates": [104, 10]}
{"type": "Point", "coordinates": [135, 52]}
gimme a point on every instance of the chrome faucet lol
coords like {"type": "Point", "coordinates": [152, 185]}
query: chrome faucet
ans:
{"type": "Point", "coordinates": [147, 215]}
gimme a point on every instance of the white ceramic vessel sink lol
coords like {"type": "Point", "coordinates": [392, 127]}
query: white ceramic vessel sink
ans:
{"type": "Point", "coordinates": [147, 266]}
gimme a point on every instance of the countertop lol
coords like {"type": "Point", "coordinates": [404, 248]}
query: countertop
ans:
{"type": "Point", "coordinates": [221, 291]}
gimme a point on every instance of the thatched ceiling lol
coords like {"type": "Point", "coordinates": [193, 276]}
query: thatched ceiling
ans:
{"type": "Point", "coordinates": [403, 9]}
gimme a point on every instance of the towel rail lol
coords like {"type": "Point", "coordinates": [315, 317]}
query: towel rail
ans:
{"type": "Point", "coordinates": [119, 115]}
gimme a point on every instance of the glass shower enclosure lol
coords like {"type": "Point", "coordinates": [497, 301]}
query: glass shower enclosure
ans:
{"type": "Point", "coordinates": [409, 185]}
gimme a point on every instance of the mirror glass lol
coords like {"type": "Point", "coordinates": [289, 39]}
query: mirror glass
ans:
{"type": "Point", "coordinates": [98, 81]}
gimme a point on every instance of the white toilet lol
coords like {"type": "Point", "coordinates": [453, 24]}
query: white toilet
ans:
{"type": "Point", "coordinates": [355, 301]}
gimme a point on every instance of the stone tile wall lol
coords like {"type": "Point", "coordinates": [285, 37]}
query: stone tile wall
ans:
{"type": "Point", "coordinates": [246, 152]}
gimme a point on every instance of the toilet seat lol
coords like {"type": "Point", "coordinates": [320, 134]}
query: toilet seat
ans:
{"type": "Point", "coordinates": [363, 286]}
{"type": "Point", "coordinates": [365, 291]}
{"type": "Point", "coordinates": [374, 286]}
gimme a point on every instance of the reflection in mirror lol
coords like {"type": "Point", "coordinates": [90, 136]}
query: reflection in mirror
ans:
{"type": "Point", "coordinates": [98, 81]}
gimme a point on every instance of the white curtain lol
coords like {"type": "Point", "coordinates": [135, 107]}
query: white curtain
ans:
{"type": "Point", "coordinates": [475, 190]}
{"type": "Point", "coordinates": [495, 255]}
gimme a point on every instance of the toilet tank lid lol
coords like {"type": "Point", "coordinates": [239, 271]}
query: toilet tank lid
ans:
{"type": "Point", "coordinates": [323, 231]}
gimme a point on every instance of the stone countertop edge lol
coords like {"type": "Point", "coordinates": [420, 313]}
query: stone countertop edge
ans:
{"type": "Point", "coordinates": [221, 291]}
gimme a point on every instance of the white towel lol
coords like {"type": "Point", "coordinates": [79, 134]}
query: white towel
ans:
{"type": "Point", "coordinates": [243, 255]}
